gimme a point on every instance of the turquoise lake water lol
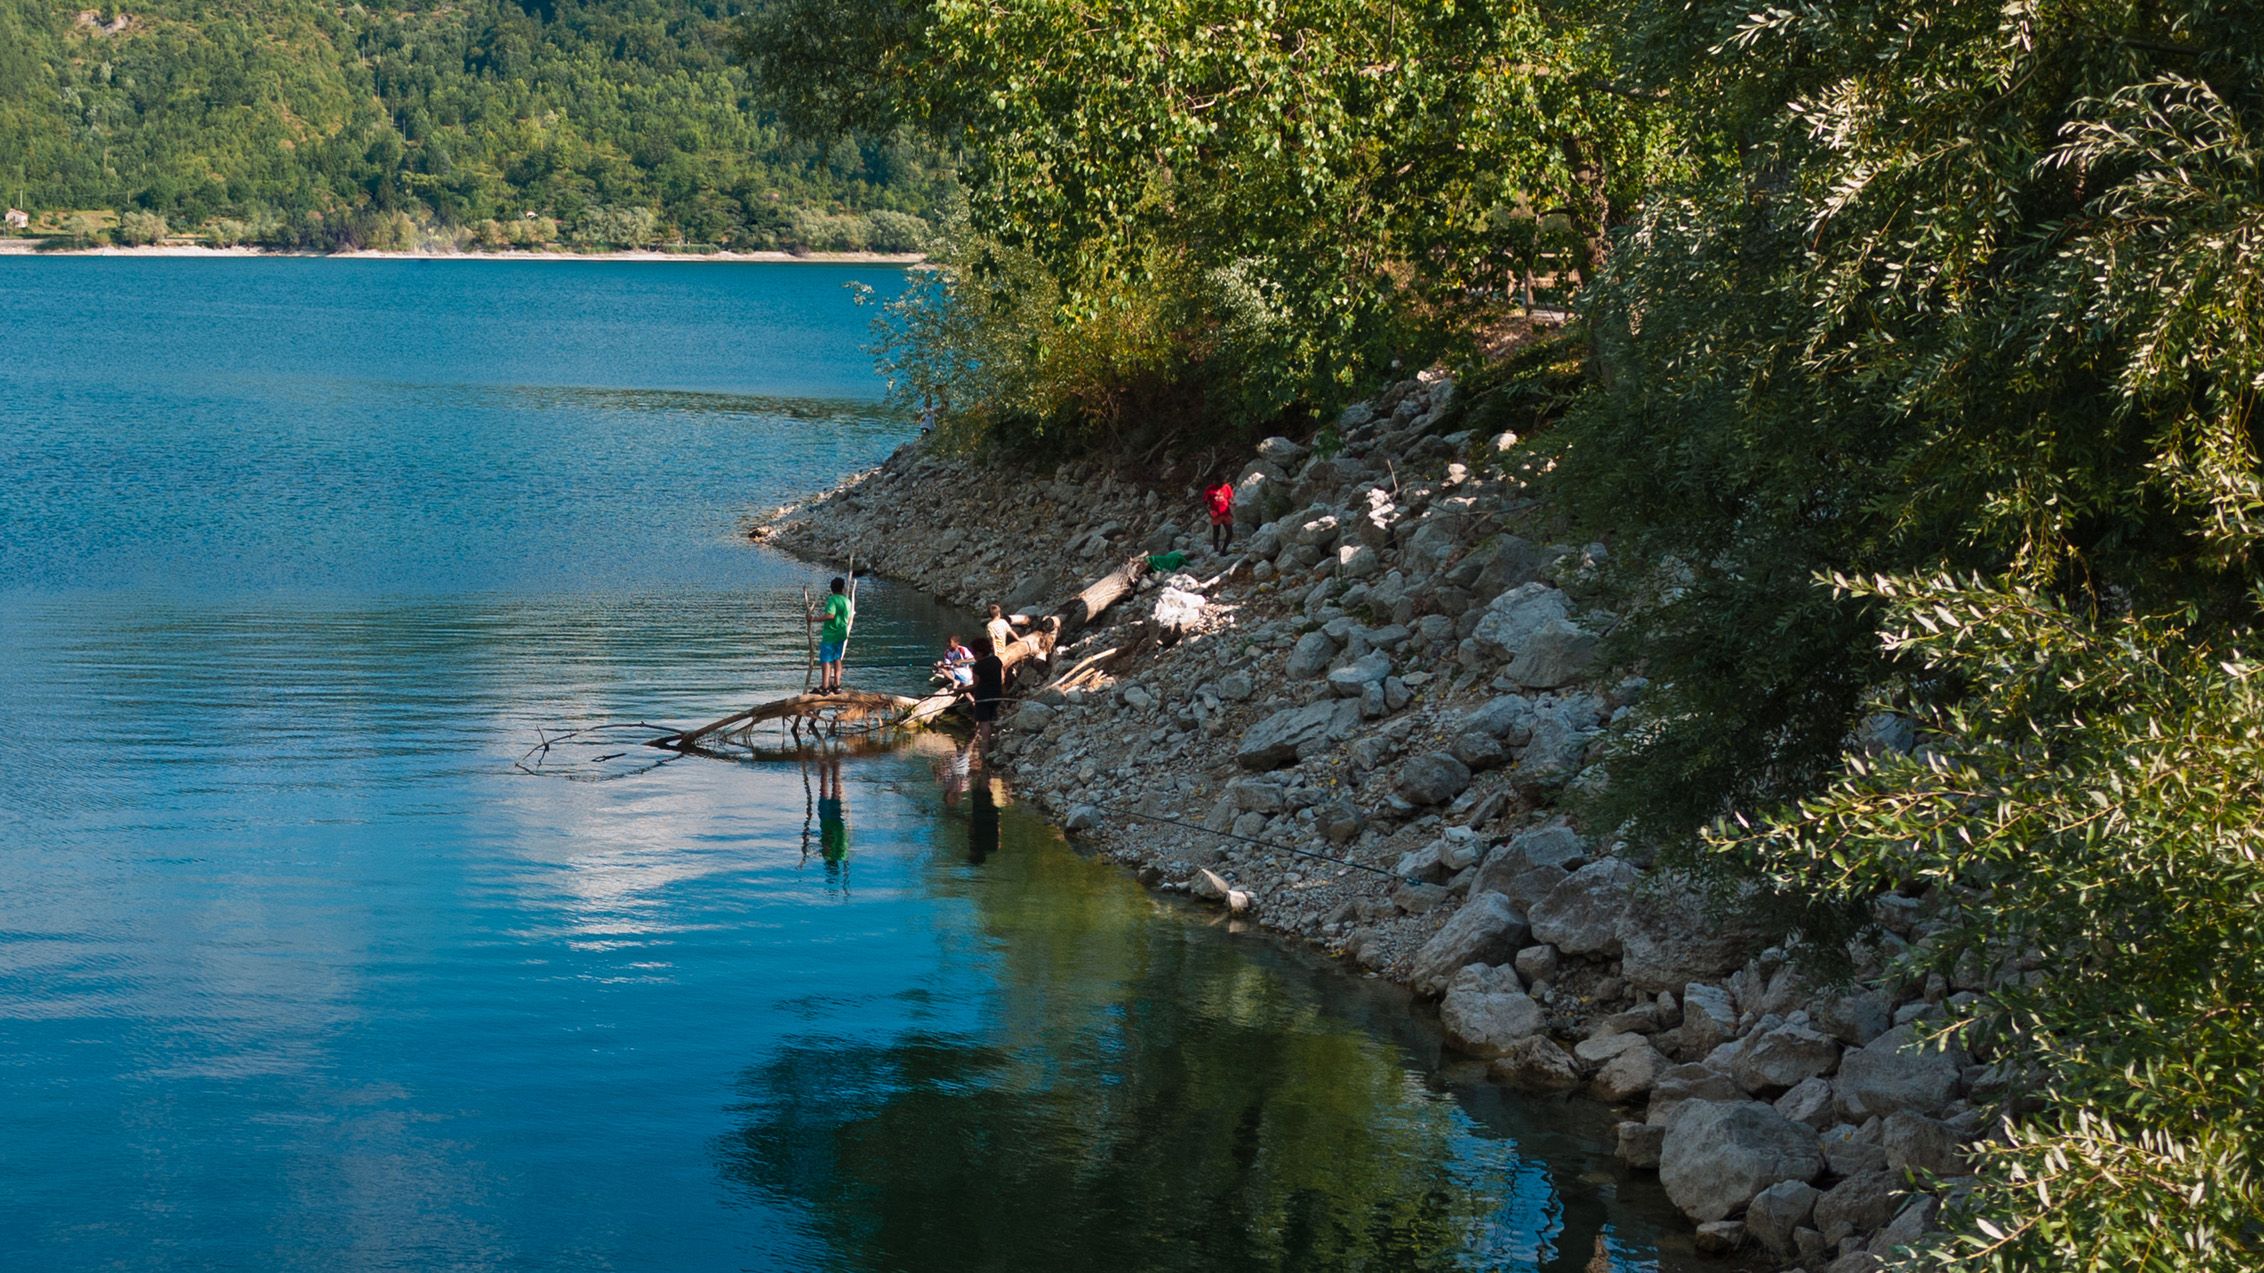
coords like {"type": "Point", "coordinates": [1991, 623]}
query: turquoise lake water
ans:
{"type": "Point", "coordinates": [298, 972]}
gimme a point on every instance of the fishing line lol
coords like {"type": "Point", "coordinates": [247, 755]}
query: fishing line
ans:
{"type": "Point", "coordinates": [1130, 812]}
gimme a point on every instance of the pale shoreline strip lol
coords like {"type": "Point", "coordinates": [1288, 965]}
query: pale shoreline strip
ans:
{"type": "Point", "coordinates": [30, 247]}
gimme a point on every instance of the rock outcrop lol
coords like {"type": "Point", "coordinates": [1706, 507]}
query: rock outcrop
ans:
{"type": "Point", "coordinates": [1487, 1011]}
{"type": "Point", "coordinates": [1581, 915]}
{"type": "Point", "coordinates": [1489, 928]}
{"type": "Point", "coordinates": [1719, 1155]}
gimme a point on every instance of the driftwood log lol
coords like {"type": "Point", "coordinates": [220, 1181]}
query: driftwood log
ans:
{"type": "Point", "coordinates": [843, 707]}
{"type": "Point", "coordinates": [1141, 638]}
{"type": "Point", "coordinates": [1078, 612]}
{"type": "Point", "coordinates": [1099, 595]}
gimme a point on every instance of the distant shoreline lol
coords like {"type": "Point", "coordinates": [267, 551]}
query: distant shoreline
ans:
{"type": "Point", "coordinates": [30, 247]}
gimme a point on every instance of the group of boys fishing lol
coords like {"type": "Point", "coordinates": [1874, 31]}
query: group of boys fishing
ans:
{"type": "Point", "coordinates": [979, 670]}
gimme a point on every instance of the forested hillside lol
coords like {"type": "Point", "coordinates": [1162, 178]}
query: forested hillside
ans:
{"type": "Point", "coordinates": [584, 122]}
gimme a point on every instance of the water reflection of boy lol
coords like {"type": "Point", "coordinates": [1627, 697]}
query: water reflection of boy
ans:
{"type": "Point", "coordinates": [982, 822]}
{"type": "Point", "coordinates": [953, 773]}
{"type": "Point", "coordinates": [833, 828]}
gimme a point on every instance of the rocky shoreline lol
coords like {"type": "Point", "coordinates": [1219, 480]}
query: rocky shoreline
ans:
{"type": "Point", "coordinates": [1357, 726]}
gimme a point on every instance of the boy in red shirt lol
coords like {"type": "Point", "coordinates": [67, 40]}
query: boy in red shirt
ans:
{"type": "Point", "coordinates": [1220, 497]}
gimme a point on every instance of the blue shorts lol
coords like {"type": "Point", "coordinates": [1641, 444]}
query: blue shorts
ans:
{"type": "Point", "coordinates": [830, 651]}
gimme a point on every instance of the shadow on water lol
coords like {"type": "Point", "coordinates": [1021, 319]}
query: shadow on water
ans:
{"type": "Point", "coordinates": [1147, 1093]}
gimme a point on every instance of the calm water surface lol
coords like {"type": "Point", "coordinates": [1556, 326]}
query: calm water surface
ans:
{"type": "Point", "coordinates": [298, 972]}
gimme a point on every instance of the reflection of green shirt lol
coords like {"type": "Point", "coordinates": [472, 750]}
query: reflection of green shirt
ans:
{"type": "Point", "coordinates": [836, 629]}
{"type": "Point", "coordinates": [833, 831]}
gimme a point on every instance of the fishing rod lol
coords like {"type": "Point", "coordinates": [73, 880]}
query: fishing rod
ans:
{"type": "Point", "coordinates": [851, 625]}
{"type": "Point", "coordinates": [810, 634]}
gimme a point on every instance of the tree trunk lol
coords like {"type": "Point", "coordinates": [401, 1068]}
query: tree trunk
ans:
{"type": "Point", "coordinates": [1078, 612]}
{"type": "Point", "coordinates": [1593, 207]}
{"type": "Point", "coordinates": [848, 703]}
{"type": "Point", "coordinates": [1099, 595]}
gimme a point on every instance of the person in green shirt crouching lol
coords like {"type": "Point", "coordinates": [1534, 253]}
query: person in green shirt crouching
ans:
{"type": "Point", "coordinates": [833, 637]}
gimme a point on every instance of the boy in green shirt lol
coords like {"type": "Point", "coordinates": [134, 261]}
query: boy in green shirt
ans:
{"type": "Point", "coordinates": [833, 636]}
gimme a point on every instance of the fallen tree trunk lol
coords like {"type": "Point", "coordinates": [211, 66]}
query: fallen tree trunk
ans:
{"type": "Point", "coordinates": [928, 709]}
{"type": "Point", "coordinates": [1099, 595]}
{"type": "Point", "coordinates": [1078, 612]}
{"type": "Point", "coordinates": [1037, 645]}
{"type": "Point", "coordinates": [848, 705]}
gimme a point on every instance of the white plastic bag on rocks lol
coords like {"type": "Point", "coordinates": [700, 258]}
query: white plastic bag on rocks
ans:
{"type": "Point", "coordinates": [1178, 605]}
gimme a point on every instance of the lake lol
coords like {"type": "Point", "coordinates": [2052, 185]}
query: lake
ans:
{"type": "Point", "coordinates": [299, 969]}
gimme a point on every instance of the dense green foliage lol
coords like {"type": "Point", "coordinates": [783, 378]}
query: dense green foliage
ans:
{"type": "Point", "coordinates": [1190, 218]}
{"type": "Point", "coordinates": [2092, 809]}
{"type": "Point", "coordinates": [1978, 319]}
{"type": "Point", "coordinates": [1980, 292]}
{"type": "Point", "coordinates": [588, 122]}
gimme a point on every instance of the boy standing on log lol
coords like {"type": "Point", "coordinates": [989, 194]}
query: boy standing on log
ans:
{"type": "Point", "coordinates": [833, 637]}
{"type": "Point", "coordinates": [999, 627]}
{"type": "Point", "coordinates": [1220, 497]}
